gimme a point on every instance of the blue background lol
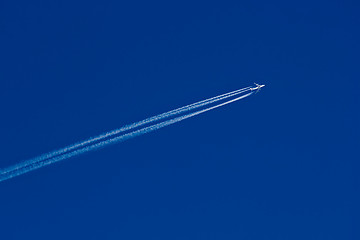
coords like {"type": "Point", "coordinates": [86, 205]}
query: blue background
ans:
{"type": "Point", "coordinates": [282, 164]}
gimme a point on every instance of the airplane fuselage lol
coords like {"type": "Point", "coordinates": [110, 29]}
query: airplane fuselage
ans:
{"type": "Point", "coordinates": [258, 87]}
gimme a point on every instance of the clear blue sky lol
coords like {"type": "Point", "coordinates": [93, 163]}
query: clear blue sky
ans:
{"type": "Point", "coordinates": [282, 164]}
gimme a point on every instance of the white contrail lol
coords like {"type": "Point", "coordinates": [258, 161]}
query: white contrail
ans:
{"type": "Point", "coordinates": [132, 126]}
{"type": "Point", "coordinates": [36, 163]}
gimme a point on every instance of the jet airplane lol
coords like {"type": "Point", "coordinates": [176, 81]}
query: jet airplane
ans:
{"type": "Point", "coordinates": [257, 88]}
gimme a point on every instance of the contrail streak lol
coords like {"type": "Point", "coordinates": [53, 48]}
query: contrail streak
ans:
{"type": "Point", "coordinates": [132, 126]}
{"type": "Point", "coordinates": [90, 145]}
